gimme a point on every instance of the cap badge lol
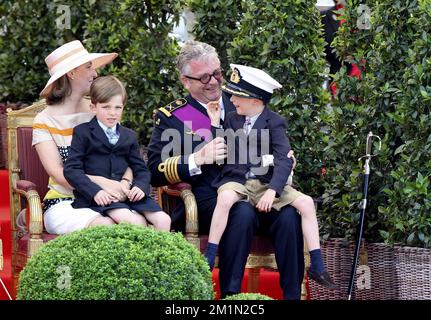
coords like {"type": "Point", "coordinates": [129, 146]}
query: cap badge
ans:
{"type": "Point", "coordinates": [235, 77]}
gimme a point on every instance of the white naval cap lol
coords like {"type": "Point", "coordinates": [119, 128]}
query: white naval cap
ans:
{"type": "Point", "coordinates": [249, 82]}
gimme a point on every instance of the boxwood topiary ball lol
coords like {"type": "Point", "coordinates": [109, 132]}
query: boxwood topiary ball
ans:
{"type": "Point", "coordinates": [117, 262]}
{"type": "Point", "coordinates": [248, 296]}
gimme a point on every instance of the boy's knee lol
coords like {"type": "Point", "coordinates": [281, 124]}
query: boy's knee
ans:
{"type": "Point", "coordinates": [227, 198]}
{"type": "Point", "coordinates": [163, 222]}
{"type": "Point", "coordinates": [310, 201]}
{"type": "Point", "coordinates": [102, 221]}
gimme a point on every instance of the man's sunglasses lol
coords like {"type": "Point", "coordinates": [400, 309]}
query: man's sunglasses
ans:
{"type": "Point", "coordinates": [205, 78]}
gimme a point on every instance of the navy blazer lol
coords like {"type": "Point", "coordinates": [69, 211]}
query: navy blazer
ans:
{"type": "Point", "coordinates": [275, 176]}
{"type": "Point", "coordinates": [201, 183]}
{"type": "Point", "coordinates": [92, 154]}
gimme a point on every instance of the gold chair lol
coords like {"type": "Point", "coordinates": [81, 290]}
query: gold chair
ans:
{"type": "Point", "coordinates": [28, 180]}
{"type": "Point", "coordinates": [261, 254]}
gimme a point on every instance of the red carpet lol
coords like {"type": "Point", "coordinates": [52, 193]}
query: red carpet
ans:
{"type": "Point", "coordinates": [5, 235]}
{"type": "Point", "coordinates": [268, 282]}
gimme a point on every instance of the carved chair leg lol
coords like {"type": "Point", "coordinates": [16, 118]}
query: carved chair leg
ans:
{"type": "Point", "coordinates": [304, 285]}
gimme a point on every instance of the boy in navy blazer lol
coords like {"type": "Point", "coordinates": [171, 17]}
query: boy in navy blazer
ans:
{"type": "Point", "coordinates": [258, 168]}
{"type": "Point", "coordinates": [103, 147]}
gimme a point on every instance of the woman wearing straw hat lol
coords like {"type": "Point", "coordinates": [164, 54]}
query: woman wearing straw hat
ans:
{"type": "Point", "coordinates": [72, 69]}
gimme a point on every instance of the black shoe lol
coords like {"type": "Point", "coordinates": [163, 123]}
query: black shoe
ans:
{"type": "Point", "coordinates": [323, 279]}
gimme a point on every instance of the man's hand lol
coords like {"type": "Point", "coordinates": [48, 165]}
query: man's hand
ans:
{"type": "Point", "coordinates": [102, 198]}
{"type": "Point", "coordinates": [265, 203]}
{"type": "Point", "coordinates": [214, 112]}
{"type": "Point", "coordinates": [136, 194]}
{"type": "Point", "coordinates": [213, 151]}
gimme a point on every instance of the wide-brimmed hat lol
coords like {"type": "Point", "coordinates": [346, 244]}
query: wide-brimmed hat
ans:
{"type": "Point", "coordinates": [249, 82]}
{"type": "Point", "coordinates": [68, 57]}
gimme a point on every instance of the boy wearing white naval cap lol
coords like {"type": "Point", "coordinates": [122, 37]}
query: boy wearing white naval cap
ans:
{"type": "Point", "coordinates": [251, 89]}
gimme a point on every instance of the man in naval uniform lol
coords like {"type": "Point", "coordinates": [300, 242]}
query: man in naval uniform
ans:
{"type": "Point", "coordinates": [182, 149]}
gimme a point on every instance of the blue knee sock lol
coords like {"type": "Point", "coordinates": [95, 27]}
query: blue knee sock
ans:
{"type": "Point", "coordinates": [317, 261]}
{"type": "Point", "coordinates": [210, 254]}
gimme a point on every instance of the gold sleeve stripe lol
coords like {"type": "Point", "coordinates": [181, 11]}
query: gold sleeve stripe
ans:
{"type": "Point", "coordinates": [166, 112]}
{"type": "Point", "coordinates": [52, 130]}
{"type": "Point", "coordinates": [168, 172]}
{"type": "Point", "coordinates": [170, 169]}
{"type": "Point", "coordinates": [175, 168]}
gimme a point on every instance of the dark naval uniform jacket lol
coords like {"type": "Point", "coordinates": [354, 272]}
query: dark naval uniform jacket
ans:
{"type": "Point", "coordinates": [248, 154]}
{"type": "Point", "coordinates": [189, 123]}
{"type": "Point", "coordinates": [91, 153]}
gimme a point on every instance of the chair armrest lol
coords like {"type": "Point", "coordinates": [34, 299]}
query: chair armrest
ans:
{"type": "Point", "coordinates": [184, 191]}
{"type": "Point", "coordinates": [24, 185]}
{"type": "Point", "coordinates": [28, 190]}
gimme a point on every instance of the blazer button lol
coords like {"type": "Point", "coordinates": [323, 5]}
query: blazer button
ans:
{"type": "Point", "coordinates": [113, 175]}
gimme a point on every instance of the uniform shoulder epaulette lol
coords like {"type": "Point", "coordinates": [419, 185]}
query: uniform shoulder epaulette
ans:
{"type": "Point", "coordinates": [174, 105]}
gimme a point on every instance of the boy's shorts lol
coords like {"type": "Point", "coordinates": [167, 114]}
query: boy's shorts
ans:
{"type": "Point", "coordinates": [253, 190]}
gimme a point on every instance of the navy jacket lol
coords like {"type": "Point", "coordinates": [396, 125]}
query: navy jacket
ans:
{"type": "Point", "coordinates": [91, 153]}
{"type": "Point", "coordinates": [275, 176]}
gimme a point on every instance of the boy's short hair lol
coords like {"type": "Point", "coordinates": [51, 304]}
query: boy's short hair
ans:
{"type": "Point", "coordinates": [104, 88]}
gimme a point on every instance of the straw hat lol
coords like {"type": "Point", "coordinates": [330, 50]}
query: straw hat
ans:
{"type": "Point", "coordinates": [68, 57]}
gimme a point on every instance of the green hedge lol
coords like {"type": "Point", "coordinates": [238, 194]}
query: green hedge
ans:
{"type": "Point", "coordinates": [248, 296]}
{"type": "Point", "coordinates": [137, 30]}
{"type": "Point", "coordinates": [120, 262]}
{"type": "Point", "coordinates": [217, 23]}
{"type": "Point", "coordinates": [28, 33]}
{"type": "Point", "coordinates": [391, 100]}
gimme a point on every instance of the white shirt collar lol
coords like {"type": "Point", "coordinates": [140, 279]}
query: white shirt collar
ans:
{"type": "Point", "coordinates": [253, 118]}
{"type": "Point", "coordinates": [104, 128]}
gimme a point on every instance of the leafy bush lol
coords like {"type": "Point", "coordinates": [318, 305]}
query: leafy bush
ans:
{"type": "Point", "coordinates": [391, 100]}
{"type": "Point", "coordinates": [29, 31]}
{"type": "Point", "coordinates": [406, 213]}
{"type": "Point", "coordinates": [217, 23]}
{"type": "Point", "coordinates": [248, 296]}
{"type": "Point", "coordinates": [117, 262]}
{"type": "Point", "coordinates": [137, 30]}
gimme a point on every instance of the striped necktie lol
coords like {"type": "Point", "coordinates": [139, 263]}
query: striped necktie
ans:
{"type": "Point", "coordinates": [247, 125]}
{"type": "Point", "coordinates": [112, 136]}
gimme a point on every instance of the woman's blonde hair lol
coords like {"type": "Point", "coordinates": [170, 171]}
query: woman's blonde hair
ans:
{"type": "Point", "coordinates": [104, 88]}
